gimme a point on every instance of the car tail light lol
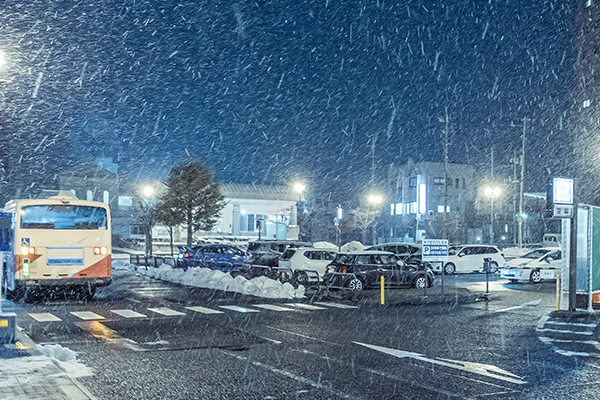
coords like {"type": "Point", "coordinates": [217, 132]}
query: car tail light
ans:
{"type": "Point", "coordinates": [100, 250]}
{"type": "Point", "coordinates": [342, 269]}
{"type": "Point", "coordinates": [25, 250]}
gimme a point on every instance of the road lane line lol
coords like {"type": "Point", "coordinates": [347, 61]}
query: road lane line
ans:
{"type": "Point", "coordinates": [302, 335]}
{"type": "Point", "coordinates": [87, 315]}
{"type": "Point", "coordinates": [572, 324]}
{"type": "Point", "coordinates": [166, 311]}
{"type": "Point", "coordinates": [204, 310]}
{"type": "Point", "coordinates": [305, 306]}
{"type": "Point", "coordinates": [128, 313]}
{"type": "Point", "coordinates": [273, 307]}
{"type": "Point", "coordinates": [562, 331]}
{"type": "Point", "coordinates": [44, 317]}
{"type": "Point", "coordinates": [239, 309]}
{"type": "Point", "coordinates": [530, 303]}
{"type": "Point", "coordinates": [335, 305]}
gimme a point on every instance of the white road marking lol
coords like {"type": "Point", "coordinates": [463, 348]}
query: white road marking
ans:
{"type": "Point", "coordinates": [572, 324]}
{"type": "Point", "coordinates": [86, 315]}
{"type": "Point", "coordinates": [305, 306]}
{"type": "Point", "coordinates": [273, 307]}
{"type": "Point", "coordinates": [529, 303]}
{"type": "Point", "coordinates": [335, 305]}
{"type": "Point", "coordinates": [44, 317]}
{"type": "Point", "coordinates": [128, 313]}
{"type": "Point", "coordinates": [562, 331]}
{"type": "Point", "coordinates": [166, 311]}
{"type": "Point", "coordinates": [490, 371]}
{"type": "Point", "coordinates": [204, 310]}
{"type": "Point", "coordinates": [239, 309]}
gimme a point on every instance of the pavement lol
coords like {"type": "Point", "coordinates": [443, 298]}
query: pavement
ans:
{"type": "Point", "coordinates": [27, 373]}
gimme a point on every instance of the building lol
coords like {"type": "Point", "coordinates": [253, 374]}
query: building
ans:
{"type": "Point", "coordinates": [586, 112]}
{"type": "Point", "coordinates": [420, 193]}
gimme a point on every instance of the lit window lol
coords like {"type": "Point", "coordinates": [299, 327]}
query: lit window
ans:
{"type": "Point", "coordinates": [413, 208]}
{"type": "Point", "coordinates": [440, 209]}
{"type": "Point", "coordinates": [105, 197]}
{"type": "Point", "coordinates": [89, 196]}
{"type": "Point", "coordinates": [588, 3]}
{"type": "Point", "coordinates": [392, 209]}
{"type": "Point", "coordinates": [586, 103]}
{"type": "Point", "coordinates": [74, 193]}
{"type": "Point", "coordinates": [447, 209]}
{"type": "Point", "coordinates": [399, 208]}
{"type": "Point", "coordinates": [125, 201]}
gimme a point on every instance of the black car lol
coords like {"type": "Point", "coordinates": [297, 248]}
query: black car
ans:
{"type": "Point", "coordinates": [216, 256]}
{"type": "Point", "coordinates": [410, 253]}
{"type": "Point", "coordinates": [364, 269]}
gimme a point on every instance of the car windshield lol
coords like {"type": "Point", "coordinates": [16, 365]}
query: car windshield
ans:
{"type": "Point", "coordinates": [289, 253]}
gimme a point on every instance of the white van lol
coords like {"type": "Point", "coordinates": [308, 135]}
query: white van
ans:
{"type": "Point", "coordinates": [551, 240]}
{"type": "Point", "coordinates": [306, 264]}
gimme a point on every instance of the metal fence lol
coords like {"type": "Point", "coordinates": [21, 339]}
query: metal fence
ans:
{"type": "Point", "coordinates": [151, 261]}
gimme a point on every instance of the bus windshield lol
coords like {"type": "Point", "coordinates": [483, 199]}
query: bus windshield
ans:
{"type": "Point", "coordinates": [63, 217]}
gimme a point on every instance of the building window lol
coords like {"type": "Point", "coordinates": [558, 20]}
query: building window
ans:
{"type": "Point", "coordinates": [464, 183]}
{"type": "Point", "coordinates": [412, 208]}
{"type": "Point", "coordinates": [105, 197]}
{"type": "Point", "coordinates": [136, 230]}
{"type": "Point", "coordinates": [587, 103]}
{"type": "Point", "coordinates": [457, 183]}
{"type": "Point", "coordinates": [392, 209]}
{"type": "Point", "coordinates": [438, 181]}
{"type": "Point", "coordinates": [125, 201]}
{"type": "Point", "coordinates": [74, 193]}
{"type": "Point", "coordinates": [399, 208]}
{"type": "Point", "coordinates": [412, 182]}
{"type": "Point", "coordinates": [89, 196]}
{"type": "Point", "coordinates": [251, 226]}
{"type": "Point", "coordinates": [588, 3]}
{"type": "Point", "coordinates": [449, 182]}
{"type": "Point", "coordinates": [440, 209]}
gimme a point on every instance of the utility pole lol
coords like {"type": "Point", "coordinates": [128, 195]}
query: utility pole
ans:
{"type": "Point", "coordinates": [446, 129]}
{"type": "Point", "coordinates": [522, 162]}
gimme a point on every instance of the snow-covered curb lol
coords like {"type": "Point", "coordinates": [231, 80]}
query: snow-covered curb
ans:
{"type": "Point", "coordinates": [213, 279]}
{"type": "Point", "coordinates": [52, 355]}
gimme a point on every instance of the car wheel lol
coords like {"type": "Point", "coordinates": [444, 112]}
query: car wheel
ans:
{"type": "Point", "coordinates": [493, 267]}
{"type": "Point", "coordinates": [301, 278]}
{"type": "Point", "coordinates": [536, 276]}
{"type": "Point", "coordinates": [449, 269]}
{"type": "Point", "coordinates": [420, 282]}
{"type": "Point", "coordinates": [356, 285]}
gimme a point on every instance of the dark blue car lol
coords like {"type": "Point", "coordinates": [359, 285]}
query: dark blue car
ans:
{"type": "Point", "coordinates": [214, 256]}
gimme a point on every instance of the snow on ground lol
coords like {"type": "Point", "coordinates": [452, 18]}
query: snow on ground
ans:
{"type": "Point", "coordinates": [51, 355]}
{"type": "Point", "coordinates": [212, 279]}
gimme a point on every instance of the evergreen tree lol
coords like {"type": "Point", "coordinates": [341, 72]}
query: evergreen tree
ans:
{"type": "Point", "coordinates": [192, 192]}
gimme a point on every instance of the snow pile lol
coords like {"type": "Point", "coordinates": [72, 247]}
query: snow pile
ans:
{"type": "Point", "coordinates": [514, 252]}
{"type": "Point", "coordinates": [62, 357]}
{"type": "Point", "coordinates": [353, 246]}
{"type": "Point", "coordinates": [123, 265]}
{"type": "Point", "coordinates": [213, 279]}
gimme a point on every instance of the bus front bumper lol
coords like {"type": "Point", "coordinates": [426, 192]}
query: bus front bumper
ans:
{"type": "Point", "coordinates": [94, 282]}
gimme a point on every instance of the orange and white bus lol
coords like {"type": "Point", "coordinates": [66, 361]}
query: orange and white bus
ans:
{"type": "Point", "coordinates": [55, 242]}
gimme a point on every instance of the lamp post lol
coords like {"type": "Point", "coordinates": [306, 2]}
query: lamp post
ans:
{"type": "Point", "coordinates": [293, 228]}
{"type": "Point", "coordinates": [374, 200]}
{"type": "Point", "coordinates": [492, 192]}
{"type": "Point", "coordinates": [147, 216]}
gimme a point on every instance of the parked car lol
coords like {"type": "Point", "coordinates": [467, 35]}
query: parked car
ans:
{"type": "Point", "coordinates": [267, 252]}
{"type": "Point", "coordinates": [539, 264]}
{"type": "Point", "coordinates": [408, 252]}
{"type": "Point", "coordinates": [306, 264]}
{"type": "Point", "coordinates": [470, 258]}
{"type": "Point", "coordinates": [363, 269]}
{"type": "Point", "coordinates": [217, 256]}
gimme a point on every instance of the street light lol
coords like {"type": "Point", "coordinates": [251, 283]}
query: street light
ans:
{"type": "Point", "coordinates": [293, 228]}
{"type": "Point", "coordinates": [492, 192]}
{"type": "Point", "coordinates": [148, 191]}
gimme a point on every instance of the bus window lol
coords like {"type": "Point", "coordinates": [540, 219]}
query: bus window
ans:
{"type": "Point", "coordinates": [6, 230]}
{"type": "Point", "coordinates": [63, 217]}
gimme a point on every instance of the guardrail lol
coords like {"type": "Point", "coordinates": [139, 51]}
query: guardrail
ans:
{"type": "Point", "coordinates": [151, 261]}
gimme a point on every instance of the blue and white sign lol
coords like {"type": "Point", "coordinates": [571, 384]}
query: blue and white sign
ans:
{"type": "Point", "coordinates": [435, 250]}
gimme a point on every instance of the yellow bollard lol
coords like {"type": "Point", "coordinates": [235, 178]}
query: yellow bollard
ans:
{"type": "Point", "coordinates": [382, 292]}
{"type": "Point", "coordinates": [558, 292]}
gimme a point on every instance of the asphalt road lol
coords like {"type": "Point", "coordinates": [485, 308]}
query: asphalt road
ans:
{"type": "Point", "coordinates": [146, 338]}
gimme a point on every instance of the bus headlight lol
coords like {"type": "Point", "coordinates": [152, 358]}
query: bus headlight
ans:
{"type": "Point", "coordinates": [25, 250]}
{"type": "Point", "coordinates": [100, 250]}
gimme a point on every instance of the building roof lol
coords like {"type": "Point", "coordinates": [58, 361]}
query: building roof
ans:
{"type": "Point", "coordinates": [259, 192]}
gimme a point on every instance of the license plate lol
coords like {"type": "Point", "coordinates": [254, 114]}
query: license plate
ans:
{"type": "Point", "coordinates": [547, 274]}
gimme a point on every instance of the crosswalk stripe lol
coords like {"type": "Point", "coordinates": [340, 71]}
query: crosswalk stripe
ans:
{"type": "Point", "coordinates": [335, 305]}
{"type": "Point", "coordinates": [562, 331]}
{"type": "Point", "coordinates": [572, 324]}
{"type": "Point", "coordinates": [166, 311]}
{"type": "Point", "coordinates": [204, 310]}
{"type": "Point", "coordinates": [128, 313]}
{"type": "Point", "coordinates": [87, 315]}
{"type": "Point", "coordinates": [239, 309]}
{"type": "Point", "coordinates": [305, 306]}
{"type": "Point", "coordinates": [44, 317]}
{"type": "Point", "coordinates": [272, 307]}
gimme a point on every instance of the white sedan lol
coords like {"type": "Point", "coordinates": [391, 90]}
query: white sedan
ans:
{"type": "Point", "coordinates": [535, 266]}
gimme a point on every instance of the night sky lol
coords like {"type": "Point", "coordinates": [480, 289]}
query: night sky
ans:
{"type": "Point", "coordinates": [272, 91]}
